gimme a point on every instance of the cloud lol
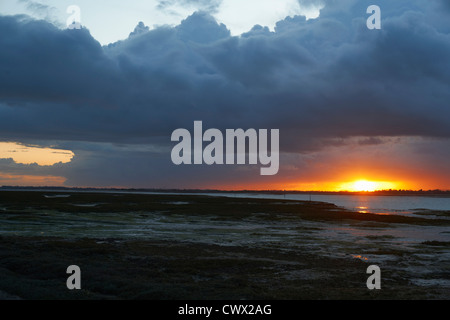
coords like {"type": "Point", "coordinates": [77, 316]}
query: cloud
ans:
{"type": "Point", "coordinates": [308, 73]}
{"type": "Point", "coordinates": [315, 80]}
{"type": "Point", "coordinates": [201, 5]}
{"type": "Point", "coordinates": [32, 154]}
{"type": "Point", "coordinates": [444, 4]}
{"type": "Point", "coordinates": [36, 7]}
{"type": "Point", "coordinates": [201, 27]}
{"type": "Point", "coordinates": [42, 11]}
{"type": "Point", "coordinates": [140, 28]}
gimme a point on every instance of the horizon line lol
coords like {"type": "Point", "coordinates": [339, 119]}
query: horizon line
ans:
{"type": "Point", "coordinates": [224, 190]}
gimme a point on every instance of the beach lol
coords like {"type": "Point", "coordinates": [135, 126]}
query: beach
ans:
{"type": "Point", "coordinates": [167, 246]}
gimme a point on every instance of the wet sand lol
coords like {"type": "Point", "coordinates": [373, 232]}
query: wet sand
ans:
{"type": "Point", "coordinates": [200, 247]}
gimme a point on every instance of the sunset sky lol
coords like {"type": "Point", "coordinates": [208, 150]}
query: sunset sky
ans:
{"type": "Point", "coordinates": [357, 109]}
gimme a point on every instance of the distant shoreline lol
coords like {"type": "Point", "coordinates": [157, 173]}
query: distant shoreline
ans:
{"type": "Point", "coordinates": [421, 193]}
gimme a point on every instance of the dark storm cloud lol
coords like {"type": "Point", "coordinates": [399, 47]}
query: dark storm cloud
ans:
{"type": "Point", "coordinates": [315, 80]}
{"type": "Point", "coordinates": [445, 4]}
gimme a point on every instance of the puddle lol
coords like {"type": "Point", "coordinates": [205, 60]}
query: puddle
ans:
{"type": "Point", "coordinates": [177, 202]}
{"type": "Point", "coordinates": [52, 196]}
{"type": "Point", "coordinates": [86, 204]}
{"type": "Point", "coordinates": [360, 257]}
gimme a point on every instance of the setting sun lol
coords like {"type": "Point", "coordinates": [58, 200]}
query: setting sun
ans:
{"type": "Point", "coordinates": [365, 185]}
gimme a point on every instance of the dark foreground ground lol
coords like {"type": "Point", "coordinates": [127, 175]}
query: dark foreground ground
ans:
{"type": "Point", "coordinates": [199, 247]}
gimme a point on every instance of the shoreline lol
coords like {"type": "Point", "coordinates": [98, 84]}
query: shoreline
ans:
{"type": "Point", "coordinates": [400, 193]}
{"type": "Point", "coordinates": [381, 204]}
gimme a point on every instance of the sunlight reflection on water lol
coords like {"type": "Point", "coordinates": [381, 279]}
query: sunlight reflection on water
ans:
{"type": "Point", "coordinates": [400, 205]}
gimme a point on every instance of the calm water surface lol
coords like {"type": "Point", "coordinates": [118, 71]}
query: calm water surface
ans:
{"type": "Point", "coordinates": [374, 204]}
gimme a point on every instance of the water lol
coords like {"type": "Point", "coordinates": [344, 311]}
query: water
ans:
{"type": "Point", "coordinates": [363, 203]}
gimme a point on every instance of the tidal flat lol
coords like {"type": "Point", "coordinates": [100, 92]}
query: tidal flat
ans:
{"type": "Point", "coordinates": [180, 246]}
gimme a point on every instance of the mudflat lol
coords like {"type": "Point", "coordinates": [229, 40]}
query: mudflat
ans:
{"type": "Point", "coordinates": [160, 246]}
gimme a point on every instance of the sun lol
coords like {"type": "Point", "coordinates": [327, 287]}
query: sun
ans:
{"type": "Point", "coordinates": [366, 185]}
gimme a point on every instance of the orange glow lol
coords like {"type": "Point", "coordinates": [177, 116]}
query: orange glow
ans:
{"type": "Point", "coordinates": [357, 185]}
{"type": "Point", "coordinates": [365, 185]}
{"type": "Point", "coordinates": [358, 256]}
{"type": "Point", "coordinates": [31, 181]}
{"type": "Point", "coordinates": [34, 154]}
{"type": "Point", "coordinates": [362, 209]}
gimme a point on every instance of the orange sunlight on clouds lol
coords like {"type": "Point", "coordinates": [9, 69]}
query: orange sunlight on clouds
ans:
{"type": "Point", "coordinates": [33, 154]}
{"type": "Point", "coordinates": [31, 181]}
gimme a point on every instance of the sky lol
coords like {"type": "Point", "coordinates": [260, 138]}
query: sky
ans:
{"type": "Point", "coordinates": [113, 20]}
{"type": "Point", "coordinates": [96, 106]}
